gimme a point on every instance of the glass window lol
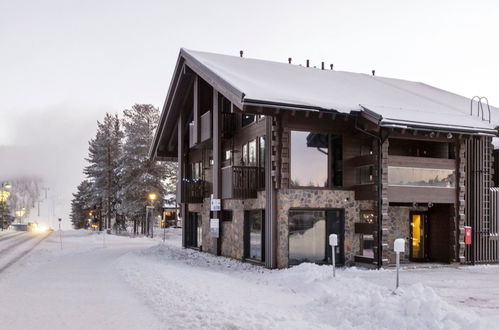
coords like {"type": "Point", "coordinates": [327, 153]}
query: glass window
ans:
{"type": "Point", "coordinates": [262, 151]}
{"type": "Point", "coordinates": [309, 159]}
{"type": "Point", "coordinates": [228, 155]}
{"type": "Point", "coordinates": [421, 177]}
{"type": "Point", "coordinates": [196, 170]}
{"type": "Point", "coordinates": [364, 174]}
{"type": "Point", "coordinates": [247, 119]}
{"type": "Point", "coordinates": [252, 153]}
{"type": "Point", "coordinates": [244, 156]}
{"type": "Point", "coordinates": [367, 240]}
{"type": "Point", "coordinates": [307, 236]}
{"type": "Point", "coordinates": [255, 238]}
{"type": "Point", "coordinates": [199, 232]}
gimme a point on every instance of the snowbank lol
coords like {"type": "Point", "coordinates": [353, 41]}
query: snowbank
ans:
{"type": "Point", "coordinates": [189, 289]}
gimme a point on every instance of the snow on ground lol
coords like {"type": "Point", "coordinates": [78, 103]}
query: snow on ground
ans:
{"type": "Point", "coordinates": [112, 282]}
{"type": "Point", "coordinates": [188, 289]}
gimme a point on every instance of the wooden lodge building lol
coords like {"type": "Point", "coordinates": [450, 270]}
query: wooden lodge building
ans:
{"type": "Point", "coordinates": [273, 157]}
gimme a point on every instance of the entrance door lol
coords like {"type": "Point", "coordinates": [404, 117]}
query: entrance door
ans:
{"type": "Point", "coordinates": [419, 246]}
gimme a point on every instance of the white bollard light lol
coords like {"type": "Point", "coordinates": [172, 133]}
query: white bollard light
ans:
{"type": "Point", "coordinates": [398, 247]}
{"type": "Point", "coordinates": [333, 241]}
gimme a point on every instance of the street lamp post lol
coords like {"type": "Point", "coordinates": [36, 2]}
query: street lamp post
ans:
{"type": "Point", "coordinates": [152, 197]}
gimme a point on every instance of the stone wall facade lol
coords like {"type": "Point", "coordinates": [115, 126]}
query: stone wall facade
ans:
{"type": "Point", "coordinates": [398, 226]}
{"type": "Point", "coordinates": [319, 199]}
{"type": "Point", "coordinates": [232, 232]}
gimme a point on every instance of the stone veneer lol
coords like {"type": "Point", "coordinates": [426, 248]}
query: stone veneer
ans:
{"type": "Point", "coordinates": [398, 226]}
{"type": "Point", "coordinates": [233, 231]}
{"type": "Point", "coordinates": [319, 199]}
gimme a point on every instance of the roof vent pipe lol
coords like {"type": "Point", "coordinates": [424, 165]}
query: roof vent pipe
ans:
{"type": "Point", "coordinates": [374, 72]}
{"type": "Point", "coordinates": [241, 53]}
{"type": "Point", "coordinates": [289, 60]}
{"type": "Point", "coordinates": [322, 65]}
{"type": "Point", "coordinates": [331, 66]}
{"type": "Point", "coordinates": [308, 63]}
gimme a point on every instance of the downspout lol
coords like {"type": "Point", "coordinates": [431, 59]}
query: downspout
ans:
{"type": "Point", "coordinates": [380, 140]}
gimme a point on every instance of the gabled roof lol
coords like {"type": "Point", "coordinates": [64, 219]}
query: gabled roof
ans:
{"type": "Point", "coordinates": [393, 102]}
{"type": "Point", "coordinates": [396, 101]}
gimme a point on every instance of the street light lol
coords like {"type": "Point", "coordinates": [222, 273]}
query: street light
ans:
{"type": "Point", "coordinates": [152, 197]}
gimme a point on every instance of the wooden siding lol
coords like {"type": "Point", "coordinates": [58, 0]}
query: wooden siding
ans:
{"type": "Point", "coordinates": [400, 194]}
{"type": "Point", "coordinates": [478, 184]}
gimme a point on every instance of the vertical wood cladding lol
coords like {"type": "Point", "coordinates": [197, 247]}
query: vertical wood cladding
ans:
{"type": "Point", "coordinates": [478, 182]}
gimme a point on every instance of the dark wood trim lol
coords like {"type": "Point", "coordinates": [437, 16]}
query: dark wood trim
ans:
{"type": "Point", "coordinates": [196, 112]}
{"type": "Point", "coordinates": [400, 194]}
{"type": "Point", "coordinates": [364, 260]}
{"type": "Point", "coordinates": [217, 161]}
{"type": "Point", "coordinates": [227, 90]}
{"type": "Point", "coordinates": [364, 228]}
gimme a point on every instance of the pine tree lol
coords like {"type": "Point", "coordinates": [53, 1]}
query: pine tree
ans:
{"type": "Point", "coordinates": [140, 175]}
{"type": "Point", "coordinates": [104, 154]}
{"type": "Point", "coordinates": [81, 205]}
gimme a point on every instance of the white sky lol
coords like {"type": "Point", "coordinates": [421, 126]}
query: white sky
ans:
{"type": "Point", "coordinates": [64, 63]}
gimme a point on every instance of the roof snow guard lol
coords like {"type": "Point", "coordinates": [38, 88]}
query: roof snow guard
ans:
{"type": "Point", "coordinates": [395, 102]}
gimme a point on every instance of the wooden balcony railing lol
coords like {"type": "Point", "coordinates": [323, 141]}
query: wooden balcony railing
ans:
{"type": "Point", "coordinates": [193, 190]}
{"type": "Point", "coordinates": [240, 182]}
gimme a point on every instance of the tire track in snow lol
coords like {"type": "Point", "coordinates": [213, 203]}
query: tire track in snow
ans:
{"type": "Point", "coordinates": [23, 253]}
{"type": "Point", "coordinates": [9, 236]}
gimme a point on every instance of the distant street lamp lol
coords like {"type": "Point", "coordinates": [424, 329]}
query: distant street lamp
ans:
{"type": "Point", "coordinates": [152, 197]}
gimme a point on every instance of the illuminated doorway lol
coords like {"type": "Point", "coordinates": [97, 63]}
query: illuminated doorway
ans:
{"type": "Point", "coordinates": [419, 236]}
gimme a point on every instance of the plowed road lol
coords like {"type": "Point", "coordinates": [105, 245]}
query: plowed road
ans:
{"type": "Point", "coordinates": [14, 245]}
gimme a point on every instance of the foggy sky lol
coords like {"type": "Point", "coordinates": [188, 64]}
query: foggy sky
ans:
{"type": "Point", "coordinates": [64, 63]}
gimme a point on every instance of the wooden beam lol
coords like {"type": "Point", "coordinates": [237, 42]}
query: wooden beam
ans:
{"type": "Point", "coordinates": [180, 173]}
{"type": "Point", "coordinates": [196, 112]}
{"type": "Point", "coordinates": [217, 165]}
{"type": "Point", "coordinates": [321, 114]}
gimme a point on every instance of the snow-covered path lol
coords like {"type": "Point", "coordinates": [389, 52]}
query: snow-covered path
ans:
{"type": "Point", "coordinates": [76, 288]}
{"type": "Point", "coordinates": [140, 283]}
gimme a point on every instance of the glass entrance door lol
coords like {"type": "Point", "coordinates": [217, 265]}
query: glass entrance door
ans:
{"type": "Point", "coordinates": [419, 236]}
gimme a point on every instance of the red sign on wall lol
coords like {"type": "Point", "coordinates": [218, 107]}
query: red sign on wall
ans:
{"type": "Point", "coordinates": [467, 235]}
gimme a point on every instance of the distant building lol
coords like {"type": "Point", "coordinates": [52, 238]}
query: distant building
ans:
{"type": "Point", "coordinates": [296, 153]}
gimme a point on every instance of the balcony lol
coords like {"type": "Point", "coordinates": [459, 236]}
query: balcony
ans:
{"type": "Point", "coordinates": [193, 190]}
{"type": "Point", "coordinates": [240, 182]}
{"type": "Point", "coordinates": [205, 127]}
{"type": "Point", "coordinates": [205, 130]}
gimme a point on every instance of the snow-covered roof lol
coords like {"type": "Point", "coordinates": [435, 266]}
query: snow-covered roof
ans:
{"type": "Point", "coordinates": [398, 102]}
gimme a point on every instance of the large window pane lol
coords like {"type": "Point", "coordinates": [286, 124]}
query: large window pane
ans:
{"type": "Point", "coordinates": [307, 236]}
{"type": "Point", "coordinates": [255, 235]}
{"type": "Point", "coordinates": [421, 177]}
{"type": "Point", "coordinates": [252, 153]}
{"type": "Point", "coordinates": [309, 159]}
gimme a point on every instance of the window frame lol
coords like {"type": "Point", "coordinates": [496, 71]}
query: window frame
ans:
{"type": "Point", "coordinates": [330, 176]}
{"type": "Point", "coordinates": [247, 236]}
